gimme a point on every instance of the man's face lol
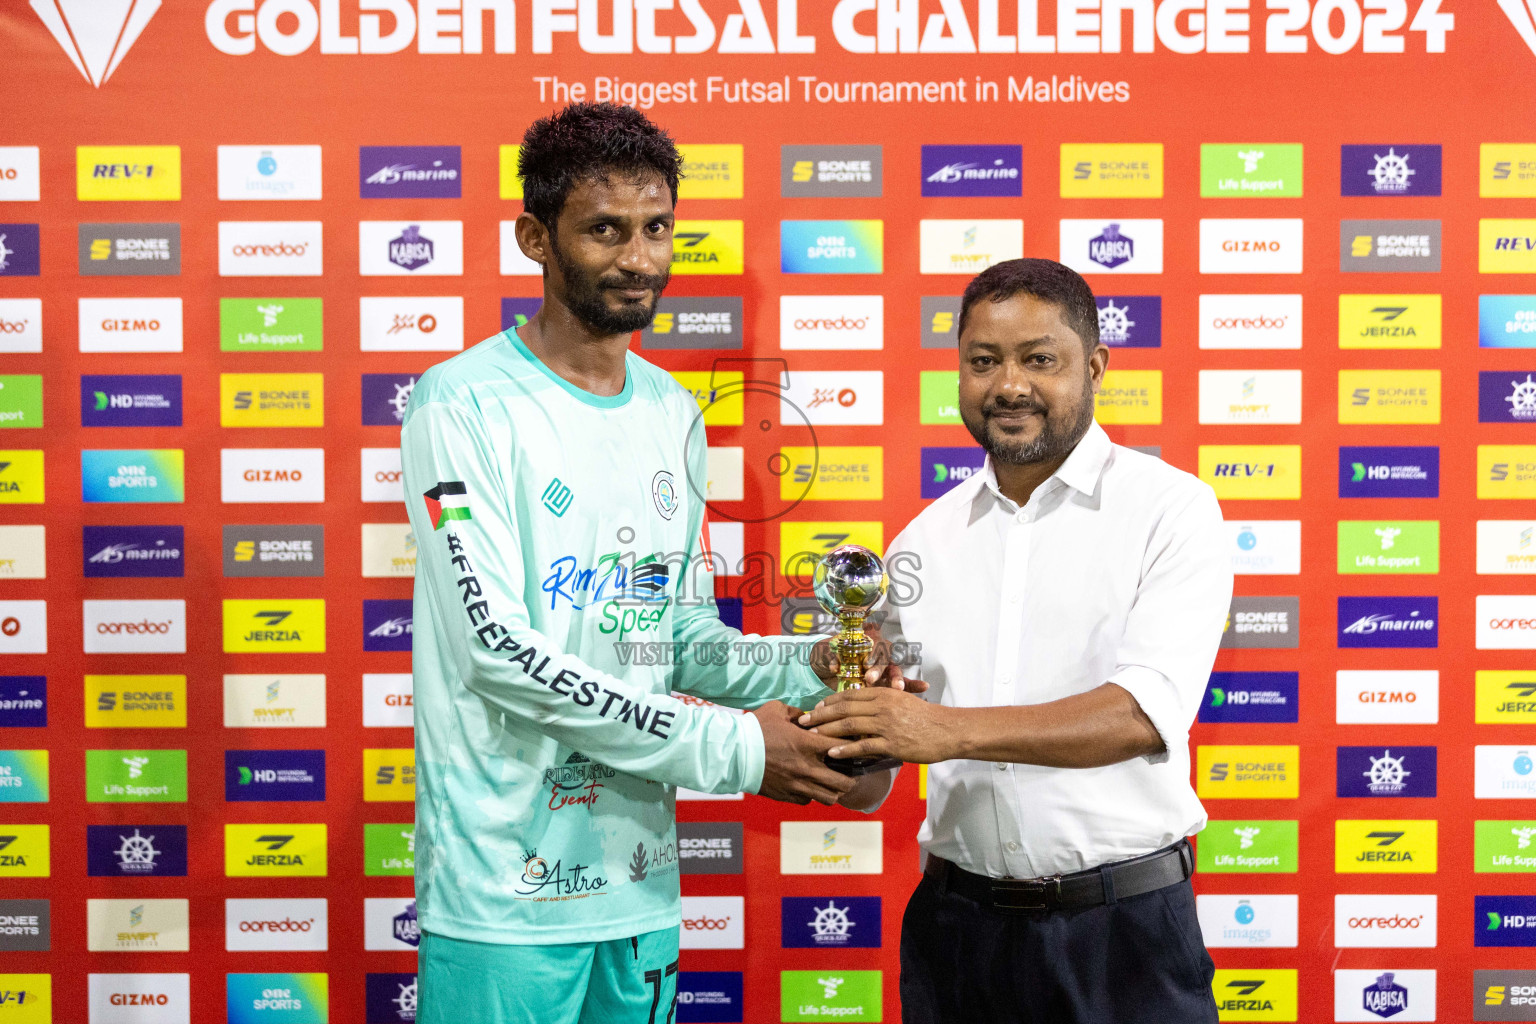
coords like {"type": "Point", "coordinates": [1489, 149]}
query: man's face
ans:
{"type": "Point", "coordinates": [612, 251]}
{"type": "Point", "coordinates": [1026, 384]}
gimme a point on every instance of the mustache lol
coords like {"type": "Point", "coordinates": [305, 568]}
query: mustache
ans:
{"type": "Point", "coordinates": [650, 282]}
{"type": "Point", "coordinates": [993, 407]}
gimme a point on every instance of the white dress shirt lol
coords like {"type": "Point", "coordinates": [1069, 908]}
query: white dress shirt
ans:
{"type": "Point", "coordinates": [1114, 571]}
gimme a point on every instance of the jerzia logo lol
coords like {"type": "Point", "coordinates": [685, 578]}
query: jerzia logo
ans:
{"type": "Point", "coordinates": [95, 40]}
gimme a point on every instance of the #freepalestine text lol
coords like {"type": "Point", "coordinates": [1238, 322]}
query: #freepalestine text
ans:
{"type": "Point", "coordinates": [363, 27]}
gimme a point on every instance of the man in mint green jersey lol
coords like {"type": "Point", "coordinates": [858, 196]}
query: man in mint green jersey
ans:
{"type": "Point", "coordinates": [547, 478]}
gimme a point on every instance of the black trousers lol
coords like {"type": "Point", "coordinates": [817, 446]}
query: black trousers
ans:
{"type": "Point", "coordinates": [1136, 961]}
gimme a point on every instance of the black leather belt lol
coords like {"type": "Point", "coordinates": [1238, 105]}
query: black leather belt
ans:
{"type": "Point", "coordinates": [1091, 888]}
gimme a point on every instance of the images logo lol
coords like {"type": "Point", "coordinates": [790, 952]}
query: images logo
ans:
{"type": "Point", "coordinates": [280, 775]}
{"type": "Point", "coordinates": [135, 851]}
{"type": "Point", "coordinates": [711, 171]}
{"type": "Point", "coordinates": [1261, 246]}
{"type": "Point", "coordinates": [1254, 922]}
{"type": "Point", "coordinates": [130, 401]}
{"type": "Point", "coordinates": [967, 246]}
{"type": "Point", "coordinates": [1250, 697]}
{"type": "Point", "coordinates": [1247, 772]}
{"type": "Point", "coordinates": [409, 172]}
{"type": "Point", "coordinates": [128, 172]}
{"type": "Point", "coordinates": [271, 400]}
{"type": "Point", "coordinates": [271, 325]}
{"type": "Point", "coordinates": [719, 247]}
{"type": "Point", "coordinates": [1130, 321]}
{"type": "Point", "coordinates": [688, 322]}
{"type": "Point", "coordinates": [1115, 247]}
{"type": "Point", "coordinates": [823, 247]}
{"type": "Point", "coordinates": [1400, 546]}
{"type": "Point", "coordinates": [1389, 472]}
{"type": "Point", "coordinates": [136, 776]}
{"type": "Point", "coordinates": [118, 250]}
{"type": "Point", "coordinates": [1385, 847]}
{"type": "Point", "coordinates": [1111, 170]}
{"type": "Point", "coordinates": [1386, 771]}
{"type": "Point", "coordinates": [829, 172]}
{"type": "Point", "coordinates": [269, 172]}
{"type": "Point", "coordinates": [1506, 921]}
{"type": "Point", "coordinates": [1389, 396]}
{"type": "Point", "coordinates": [95, 42]}
{"type": "Point", "coordinates": [972, 170]}
{"type": "Point", "coordinates": [1385, 246]}
{"type": "Point", "coordinates": [1250, 169]}
{"type": "Point", "coordinates": [1389, 321]}
{"type": "Point", "coordinates": [1252, 471]}
{"type": "Point", "coordinates": [132, 476]}
{"type": "Point", "coordinates": [274, 850]}
{"type": "Point", "coordinates": [1395, 170]}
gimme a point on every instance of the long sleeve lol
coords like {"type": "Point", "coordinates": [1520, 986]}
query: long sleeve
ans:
{"type": "Point", "coordinates": [715, 660]}
{"type": "Point", "coordinates": [471, 573]}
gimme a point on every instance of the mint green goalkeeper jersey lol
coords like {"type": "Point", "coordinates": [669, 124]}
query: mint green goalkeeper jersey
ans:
{"type": "Point", "coordinates": [558, 544]}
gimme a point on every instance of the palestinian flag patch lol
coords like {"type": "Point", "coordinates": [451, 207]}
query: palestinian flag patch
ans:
{"type": "Point", "coordinates": [448, 500]}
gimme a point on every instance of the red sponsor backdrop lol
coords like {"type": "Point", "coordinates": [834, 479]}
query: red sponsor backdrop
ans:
{"type": "Point", "coordinates": [176, 88]}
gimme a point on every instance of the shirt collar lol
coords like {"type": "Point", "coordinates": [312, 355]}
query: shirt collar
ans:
{"type": "Point", "coordinates": [1080, 470]}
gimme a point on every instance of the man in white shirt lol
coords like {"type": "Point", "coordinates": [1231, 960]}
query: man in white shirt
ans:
{"type": "Point", "coordinates": [1072, 596]}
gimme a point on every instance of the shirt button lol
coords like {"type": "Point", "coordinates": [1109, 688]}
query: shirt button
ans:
{"type": "Point", "coordinates": [1004, 680]}
{"type": "Point", "coordinates": [1013, 847]}
{"type": "Point", "coordinates": [1002, 767]}
{"type": "Point", "coordinates": [1014, 598]}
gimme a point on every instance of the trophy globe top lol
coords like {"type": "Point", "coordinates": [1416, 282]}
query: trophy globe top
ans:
{"type": "Point", "coordinates": [849, 578]}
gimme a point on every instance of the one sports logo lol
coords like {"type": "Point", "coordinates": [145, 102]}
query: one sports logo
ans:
{"type": "Point", "coordinates": [448, 500]}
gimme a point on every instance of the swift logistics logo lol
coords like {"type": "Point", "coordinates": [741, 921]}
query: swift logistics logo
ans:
{"type": "Point", "coordinates": [1386, 771]}
{"type": "Point", "coordinates": [1252, 471]}
{"type": "Point", "coordinates": [1504, 921]}
{"type": "Point", "coordinates": [135, 851]}
{"type": "Point", "coordinates": [282, 850]}
{"type": "Point", "coordinates": [1389, 622]}
{"type": "Point", "coordinates": [142, 475]}
{"type": "Point", "coordinates": [274, 701]}
{"type": "Point", "coordinates": [389, 549]}
{"type": "Point", "coordinates": [1251, 697]}
{"type": "Point", "coordinates": [1129, 321]}
{"type": "Point", "coordinates": [824, 247]}
{"type": "Point", "coordinates": [1111, 170]}
{"type": "Point", "coordinates": [709, 247]}
{"type": "Point", "coordinates": [274, 625]}
{"type": "Point", "coordinates": [139, 400]}
{"type": "Point", "coordinates": [1374, 846]}
{"type": "Point", "coordinates": [967, 246]}
{"type": "Point", "coordinates": [1389, 321]}
{"type": "Point", "coordinates": [1246, 170]}
{"type": "Point", "coordinates": [1250, 396]}
{"type": "Point", "coordinates": [95, 41]}
{"type": "Point", "coordinates": [119, 173]}
{"type": "Point", "coordinates": [1247, 772]}
{"type": "Point", "coordinates": [23, 552]}
{"type": "Point", "coordinates": [126, 926]}
{"type": "Point", "coordinates": [830, 172]}
{"type": "Point", "coordinates": [409, 172]}
{"type": "Point", "coordinates": [1389, 472]}
{"type": "Point", "coordinates": [1251, 994]}
{"type": "Point", "coordinates": [1506, 321]}
{"type": "Point", "coordinates": [972, 171]}
{"type": "Point", "coordinates": [1391, 170]}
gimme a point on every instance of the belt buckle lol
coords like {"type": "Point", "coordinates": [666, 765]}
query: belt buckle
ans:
{"type": "Point", "coordinates": [1029, 894]}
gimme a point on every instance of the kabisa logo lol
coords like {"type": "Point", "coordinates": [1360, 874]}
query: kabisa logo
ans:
{"type": "Point", "coordinates": [387, 625]}
{"type": "Point", "coordinates": [1506, 396]}
{"type": "Point", "coordinates": [1130, 321]}
{"type": "Point", "coordinates": [1110, 249]}
{"type": "Point", "coordinates": [23, 702]}
{"type": "Point", "coordinates": [829, 172]}
{"type": "Point", "coordinates": [411, 172]}
{"type": "Point", "coordinates": [944, 468]}
{"type": "Point", "coordinates": [133, 551]}
{"type": "Point", "coordinates": [1386, 771]}
{"type": "Point", "coordinates": [1504, 921]}
{"type": "Point", "coordinates": [1392, 170]}
{"type": "Point", "coordinates": [851, 922]}
{"type": "Point", "coordinates": [385, 396]}
{"type": "Point", "coordinates": [1389, 621]}
{"type": "Point", "coordinates": [972, 170]}
{"type": "Point", "coordinates": [410, 249]}
{"type": "Point", "coordinates": [135, 851]}
{"type": "Point", "coordinates": [1389, 472]}
{"type": "Point", "coordinates": [130, 401]}
{"type": "Point", "coordinates": [1384, 997]}
{"type": "Point", "coordinates": [19, 250]}
{"type": "Point", "coordinates": [404, 926]}
{"type": "Point", "coordinates": [1506, 321]}
{"type": "Point", "coordinates": [95, 41]}
{"type": "Point", "coordinates": [1251, 697]}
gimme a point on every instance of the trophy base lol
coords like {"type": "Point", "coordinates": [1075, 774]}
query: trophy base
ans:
{"type": "Point", "coordinates": [861, 765]}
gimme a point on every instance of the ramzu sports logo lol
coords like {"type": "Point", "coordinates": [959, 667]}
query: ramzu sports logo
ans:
{"type": "Point", "coordinates": [448, 500]}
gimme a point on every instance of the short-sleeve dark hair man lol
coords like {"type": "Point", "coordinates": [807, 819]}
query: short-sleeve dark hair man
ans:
{"type": "Point", "coordinates": [1071, 600]}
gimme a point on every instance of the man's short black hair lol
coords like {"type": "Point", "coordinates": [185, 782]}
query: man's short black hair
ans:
{"type": "Point", "coordinates": [1047, 281]}
{"type": "Point", "coordinates": [590, 141]}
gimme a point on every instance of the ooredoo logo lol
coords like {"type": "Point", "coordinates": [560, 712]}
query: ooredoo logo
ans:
{"type": "Point", "coordinates": [21, 325]}
{"type": "Point", "coordinates": [270, 248]}
{"type": "Point", "coordinates": [831, 322]}
{"type": "Point", "coordinates": [1385, 921]}
{"type": "Point", "coordinates": [286, 924]}
{"type": "Point", "coordinates": [713, 922]}
{"type": "Point", "coordinates": [1250, 321]}
{"type": "Point", "coordinates": [276, 924]}
{"type": "Point", "coordinates": [135, 627]}
{"type": "Point", "coordinates": [1506, 622]}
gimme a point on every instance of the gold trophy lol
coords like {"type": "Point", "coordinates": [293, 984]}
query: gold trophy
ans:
{"type": "Point", "coordinates": [848, 582]}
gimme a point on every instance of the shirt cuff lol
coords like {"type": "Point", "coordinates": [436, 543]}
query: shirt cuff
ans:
{"type": "Point", "coordinates": [753, 753]}
{"type": "Point", "coordinates": [1160, 702]}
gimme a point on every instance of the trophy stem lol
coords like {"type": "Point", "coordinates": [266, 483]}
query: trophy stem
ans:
{"type": "Point", "coordinates": [853, 648]}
